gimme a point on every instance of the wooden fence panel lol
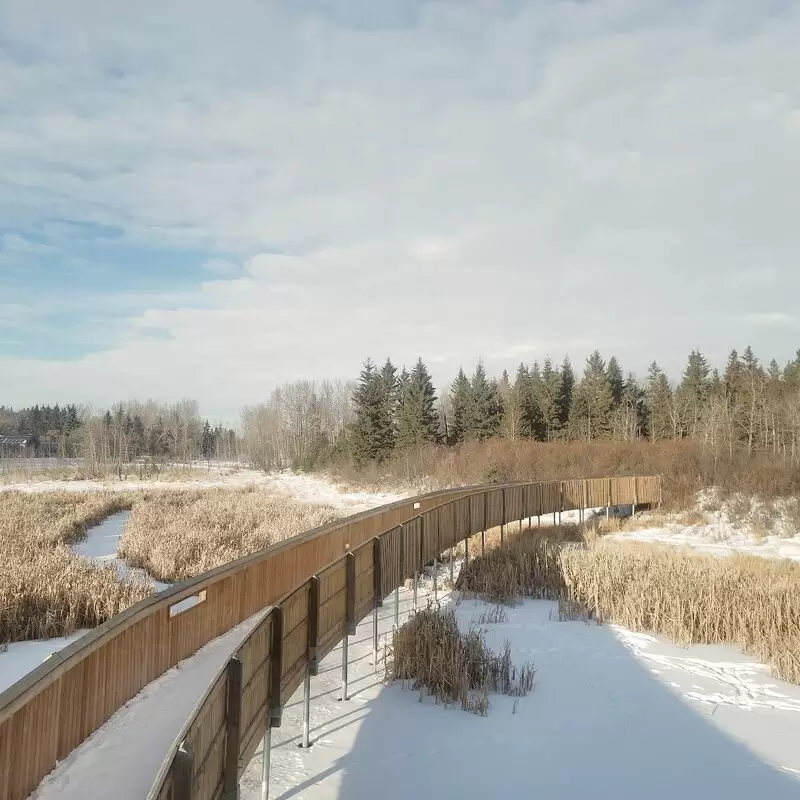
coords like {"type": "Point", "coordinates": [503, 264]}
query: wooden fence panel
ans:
{"type": "Point", "coordinates": [649, 489]}
{"type": "Point", "coordinates": [447, 526]}
{"type": "Point", "coordinates": [477, 511]}
{"type": "Point", "coordinates": [365, 580]}
{"type": "Point", "coordinates": [412, 548]}
{"type": "Point", "coordinates": [551, 496]}
{"type": "Point", "coordinates": [332, 607]}
{"type": "Point", "coordinates": [572, 494]}
{"type": "Point", "coordinates": [430, 536]}
{"type": "Point", "coordinates": [206, 740]}
{"type": "Point", "coordinates": [391, 561]}
{"type": "Point", "coordinates": [295, 638]}
{"type": "Point", "coordinates": [463, 518]}
{"type": "Point", "coordinates": [623, 491]}
{"type": "Point", "coordinates": [515, 506]}
{"type": "Point", "coordinates": [494, 508]}
{"type": "Point", "coordinates": [533, 500]}
{"type": "Point", "coordinates": [255, 655]}
{"type": "Point", "coordinates": [598, 492]}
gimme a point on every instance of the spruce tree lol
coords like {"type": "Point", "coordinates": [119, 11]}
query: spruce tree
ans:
{"type": "Point", "coordinates": [593, 402]}
{"type": "Point", "coordinates": [658, 399]}
{"type": "Point", "coordinates": [566, 392]}
{"type": "Point", "coordinates": [485, 415]}
{"type": "Point", "coordinates": [372, 434]}
{"type": "Point", "coordinates": [418, 422]}
{"type": "Point", "coordinates": [615, 379]}
{"type": "Point", "coordinates": [460, 408]}
{"type": "Point", "coordinates": [694, 390]}
{"type": "Point", "coordinates": [548, 394]}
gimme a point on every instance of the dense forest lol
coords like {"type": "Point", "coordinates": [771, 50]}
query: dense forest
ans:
{"type": "Point", "coordinates": [746, 406]}
{"type": "Point", "coordinates": [122, 434]}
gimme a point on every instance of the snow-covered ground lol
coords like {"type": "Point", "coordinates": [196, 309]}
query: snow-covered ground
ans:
{"type": "Point", "coordinates": [300, 486]}
{"type": "Point", "coordinates": [722, 533]}
{"type": "Point", "coordinates": [612, 715]}
{"type": "Point", "coordinates": [17, 659]}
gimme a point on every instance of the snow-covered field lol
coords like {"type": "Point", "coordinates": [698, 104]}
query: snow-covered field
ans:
{"type": "Point", "coordinates": [721, 533]}
{"type": "Point", "coordinates": [303, 487]}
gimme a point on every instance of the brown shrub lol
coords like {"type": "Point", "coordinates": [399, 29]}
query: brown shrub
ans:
{"type": "Point", "coordinates": [685, 465]}
{"type": "Point", "coordinates": [437, 658]}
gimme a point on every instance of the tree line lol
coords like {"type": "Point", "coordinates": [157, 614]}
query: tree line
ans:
{"type": "Point", "coordinates": [746, 406]}
{"type": "Point", "coordinates": [122, 434]}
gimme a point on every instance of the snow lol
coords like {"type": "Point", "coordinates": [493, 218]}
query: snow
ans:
{"type": "Point", "coordinates": [17, 659]}
{"type": "Point", "coordinates": [612, 715]}
{"type": "Point", "coordinates": [303, 487]}
{"type": "Point", "coordinates": [122, 758]}
{"type": "Point", "coordinates": [722, 534]}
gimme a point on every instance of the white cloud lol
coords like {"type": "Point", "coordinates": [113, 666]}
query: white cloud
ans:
{"type": "Point", "coordinates": [450, 181]}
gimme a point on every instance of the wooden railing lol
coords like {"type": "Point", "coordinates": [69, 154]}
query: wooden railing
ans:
{"type": "Point", "coordinates": [313, 589]}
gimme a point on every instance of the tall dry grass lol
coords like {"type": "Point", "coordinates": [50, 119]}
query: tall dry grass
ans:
{"type": "Point", "coordinates": [45, 590]}
{"type": "Point", "coordinates": [432, 654]}
{"type": "Point", "coordinates": [179, 534]}
{"type": "Point", "coordinates": [750, 602]}
{"type": "Point", "coordinates": [685, 465]}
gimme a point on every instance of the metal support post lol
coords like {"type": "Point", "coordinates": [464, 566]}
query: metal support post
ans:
{"type": "Point", "coordinates": [435, 581]}
{"type": "Point", "coordinates": [266, 749]}
{"type": "Point", "coordinates": [344, 667]}
{"type": "Point", "coordinates": [416, 583]}
{"type": "Point", "coordinates": [307, 710]}
{"type": "Point", "coordinates": [397, 607]}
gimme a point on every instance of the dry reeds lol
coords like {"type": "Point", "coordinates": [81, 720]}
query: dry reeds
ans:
{"type": "Point", "coordinates": [432, 653]}
{"type": "Point", "coordinates": [179, 534]}
{"type": "Point", "coordinates": [747, 601]}
{"type": "Point", "coordinates": [45, 590]}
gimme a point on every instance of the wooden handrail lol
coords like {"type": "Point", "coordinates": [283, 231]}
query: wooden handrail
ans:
{"type": "Point", "coordinates": [52, 709]}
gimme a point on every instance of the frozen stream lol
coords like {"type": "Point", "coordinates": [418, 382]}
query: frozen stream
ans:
{"type": "Point", "coordinates": [101, 543]}
{"type": "Point", "coordinates": [100, 546]}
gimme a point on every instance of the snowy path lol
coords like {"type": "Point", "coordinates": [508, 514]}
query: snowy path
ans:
{"type": "Point", "coordinates": [122, 758]}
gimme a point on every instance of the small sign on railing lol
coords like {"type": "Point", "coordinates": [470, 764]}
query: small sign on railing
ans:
{"type": "Point", "coordinates": [187, 603]}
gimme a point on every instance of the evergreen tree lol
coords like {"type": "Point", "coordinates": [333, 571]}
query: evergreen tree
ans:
{"type": "Point", "coordinates": [615, 380]}
{"type": "Point", "coordinates": [733, 370]}
{"type": "Point", "coordinates": [566, 391]}
{"type": "Point", "coordinates": [460, 408]}
{"type": "Point", "coordinates": [486, 410]}
{"type": "Point", "coordinates": [693, 391]}
{"type": "Point", "coordinates": [372, 434]}
{"type": "Point", "coordinates": [658, 398]}
{"type": "Point", "coordinates": [548, 398]}
{"type": "Point", "coordinates": [591, 408]}
{"type": "Point", "coordinates": [418, 422]}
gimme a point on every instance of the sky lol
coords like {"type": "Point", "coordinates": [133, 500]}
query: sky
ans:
{"type": "Point", "coordinates": [209, 200]}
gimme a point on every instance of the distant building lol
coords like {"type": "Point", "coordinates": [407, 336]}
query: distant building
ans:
{"type": "Point", "coordinates": [15, 445]}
